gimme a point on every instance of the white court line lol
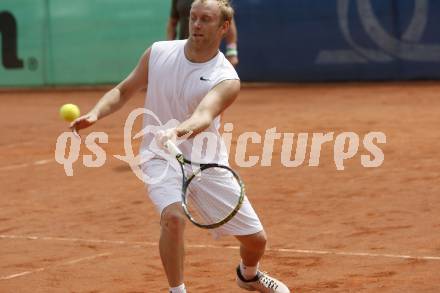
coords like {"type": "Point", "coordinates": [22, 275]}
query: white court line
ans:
{"type": "Point", "coordinates": [18, 166]}
{"type": "Point", "coordinates": [13, 145]}
{"type": "Point", "coordinates": [203, 246]}
{"type": "Point", "coordinates": [70, 262]}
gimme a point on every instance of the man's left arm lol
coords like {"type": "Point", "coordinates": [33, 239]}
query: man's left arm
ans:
{"type": "Point", "coordinates": [217, 100]}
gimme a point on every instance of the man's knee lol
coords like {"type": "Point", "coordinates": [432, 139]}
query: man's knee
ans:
{"type": "Point", "coordinates": [255, 242]}
{"type": "Point", "coordinates": [173, 219]}
{"type": "Point", "coordinates": [260, 240]}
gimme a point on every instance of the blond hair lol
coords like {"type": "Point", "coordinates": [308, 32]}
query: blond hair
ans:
{"type": "Point", "coordinates": [227, 12]}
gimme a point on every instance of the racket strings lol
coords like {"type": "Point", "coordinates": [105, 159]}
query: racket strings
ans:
{"type": "Point", "coordinates": [212, 195]}
{"type": "Point", "coordinates": [204, 208]}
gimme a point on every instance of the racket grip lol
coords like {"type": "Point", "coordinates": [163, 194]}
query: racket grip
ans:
{"type": "Point", "coordinates": [173, 149]}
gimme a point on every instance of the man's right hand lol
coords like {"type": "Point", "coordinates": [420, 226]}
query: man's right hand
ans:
{"type": "Point", "coordinates": [83, 122]}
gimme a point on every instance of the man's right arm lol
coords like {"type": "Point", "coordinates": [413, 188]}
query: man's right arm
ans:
{"type": "Point", "coordinates": [118, 96]}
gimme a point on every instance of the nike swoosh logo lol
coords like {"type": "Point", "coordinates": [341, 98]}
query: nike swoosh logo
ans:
{"type": "Point", "coordinates": [204, 79]}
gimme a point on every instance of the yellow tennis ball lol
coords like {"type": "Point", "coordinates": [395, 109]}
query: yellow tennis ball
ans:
{"type": "Point", "coordinates": [69, 112]}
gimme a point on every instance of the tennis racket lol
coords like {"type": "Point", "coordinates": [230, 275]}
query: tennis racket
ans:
{"type": "Point", "coordinates": [212, 194]}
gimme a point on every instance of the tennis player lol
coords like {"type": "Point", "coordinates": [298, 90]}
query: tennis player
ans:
{"type": "Point", "coordinates": [191, 81]}
{"type": "Point", "coordinates": [179, 18]}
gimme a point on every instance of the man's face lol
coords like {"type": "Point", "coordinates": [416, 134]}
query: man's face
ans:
{"type": "Point", "coordinates": [206, 24]}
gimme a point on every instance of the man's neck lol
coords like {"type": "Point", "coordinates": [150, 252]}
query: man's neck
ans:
{"type": "Point", "coordinates": [198, 54]}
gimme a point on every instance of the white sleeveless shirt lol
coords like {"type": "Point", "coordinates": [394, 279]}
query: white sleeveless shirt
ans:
{"type": "Point", "coordinates": [175, 88]}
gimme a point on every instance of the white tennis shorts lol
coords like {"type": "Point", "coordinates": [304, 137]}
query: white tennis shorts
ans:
{"type": "Point", "coordinates": [169, 189]}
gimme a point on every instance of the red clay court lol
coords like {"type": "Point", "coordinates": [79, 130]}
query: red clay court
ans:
{"type": "Point", "coordinates": [356, 230]}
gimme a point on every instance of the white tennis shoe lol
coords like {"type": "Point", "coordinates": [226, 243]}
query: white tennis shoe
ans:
{"type": "Point", "coordinates": [261, 283]}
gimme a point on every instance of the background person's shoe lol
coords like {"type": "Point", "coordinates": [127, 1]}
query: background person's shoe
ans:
{"type": "Point", "coordinates": [261, 283]}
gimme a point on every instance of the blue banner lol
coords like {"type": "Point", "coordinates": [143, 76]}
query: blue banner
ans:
{"type": "Point", "coordinates": [311, 40]}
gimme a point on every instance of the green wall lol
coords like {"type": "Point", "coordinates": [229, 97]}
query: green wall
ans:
{"type": "Point", "coordinates": [66, 42]}
{"type": "Point", "coordinates": [31, 42]}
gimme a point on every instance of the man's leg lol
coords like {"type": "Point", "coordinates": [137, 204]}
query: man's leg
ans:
{"type": "Point", "coordinates": [252, 248]}
{"type": "Point", "coordinates": [171, 243]}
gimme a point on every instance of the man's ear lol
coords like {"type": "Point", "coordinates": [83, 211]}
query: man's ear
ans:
{"type": "Point", "coordinates": [225, 26]}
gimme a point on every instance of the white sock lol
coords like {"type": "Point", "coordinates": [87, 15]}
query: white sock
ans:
{"type": "Point", "coordinates": [178, 289]}
{"type": "Point", "coordinates": [248, 272]}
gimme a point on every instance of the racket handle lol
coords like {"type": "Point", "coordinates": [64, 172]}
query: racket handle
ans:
{"type": "Point", "coordinates": [173, 149]}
